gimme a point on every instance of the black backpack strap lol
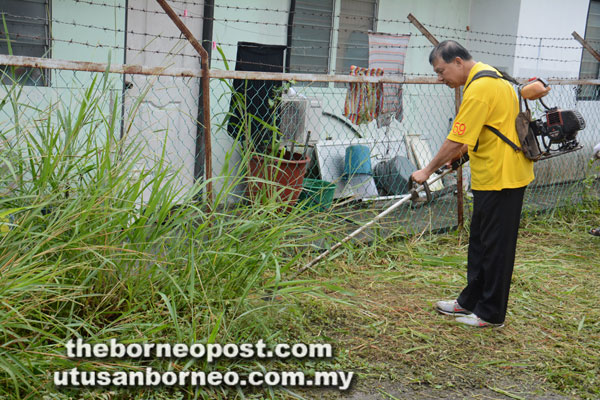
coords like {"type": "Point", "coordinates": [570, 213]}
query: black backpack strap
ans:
{"type": "Point", "coordinates": [493, 74]}
{"type": "Point", "coordinates": [509, 78]}
{"type": "Point", "coordinates": [481, 74]}
{"type": "Point", "coordinates": [501, 136]}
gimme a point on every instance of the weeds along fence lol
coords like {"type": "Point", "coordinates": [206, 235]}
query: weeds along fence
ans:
{"type": "Point", "coordinates": [358, 169]}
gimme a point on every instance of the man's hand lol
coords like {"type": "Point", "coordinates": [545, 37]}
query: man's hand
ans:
{"type": "Point", "coordinates": [448, 151]}
{"type": "Point", "coordinates": [420, 176]}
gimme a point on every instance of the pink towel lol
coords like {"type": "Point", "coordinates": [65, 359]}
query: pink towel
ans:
{"type": "Point", "coordinates": [388, 52]}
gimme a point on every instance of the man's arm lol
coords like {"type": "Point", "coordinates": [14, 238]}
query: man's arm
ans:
{"type": "Point", "coordinates": [449, 151]}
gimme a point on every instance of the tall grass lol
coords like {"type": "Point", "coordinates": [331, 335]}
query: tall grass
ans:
{"type": "Point", "coordinates": [99, 248]}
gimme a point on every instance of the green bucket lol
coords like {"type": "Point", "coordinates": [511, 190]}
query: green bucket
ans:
{"type": "Point", "coordinates": [317, 193]}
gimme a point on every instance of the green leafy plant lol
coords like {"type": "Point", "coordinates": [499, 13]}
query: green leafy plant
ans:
{"type": "Point", "coordinates": [98, 248]}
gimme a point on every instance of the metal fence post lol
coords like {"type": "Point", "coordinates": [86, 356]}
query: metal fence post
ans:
{"type": "Point", "coordinates": [457, 99]}
{"type": "Point", "coordinates": [205, 83]}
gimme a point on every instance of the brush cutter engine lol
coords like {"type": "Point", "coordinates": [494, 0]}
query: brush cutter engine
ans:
{"type": "Point", "coordinates": [557, 131]}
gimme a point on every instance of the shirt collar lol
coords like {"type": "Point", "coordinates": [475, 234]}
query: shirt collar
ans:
{"type": "Point", "coordinates": [479, 66]}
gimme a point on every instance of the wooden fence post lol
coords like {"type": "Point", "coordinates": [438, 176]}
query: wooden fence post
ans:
{"type": "Point", "coordinates": [586, 45]}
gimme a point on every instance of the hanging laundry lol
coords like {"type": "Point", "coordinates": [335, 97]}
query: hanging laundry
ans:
{"type": "Point", "coordinates": [388, 52]}
{"type": "Point", "coordinates": [364, 101]}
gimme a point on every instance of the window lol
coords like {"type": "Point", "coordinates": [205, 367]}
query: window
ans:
{"type": "Point", "coordinates": [311, 36]}
{"type": "Point", "coordinates": [320, 33]}
{"type": "Point", "coordinates": [590, 67]}
{"type": "Point", "coordinates": [357, 17]}
{"type": "Point", "coordinates": [24, 31]}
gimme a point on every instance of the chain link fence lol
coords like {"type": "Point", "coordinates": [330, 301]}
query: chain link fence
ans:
{"type": "Point", "coordinates": [387, 152]}
{"type": "Point", "coordinates": [352, 171]}
{"type": "Point", "coordinates": [79, 112]}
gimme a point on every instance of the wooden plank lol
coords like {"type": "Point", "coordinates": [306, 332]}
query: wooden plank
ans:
{"type": "Point", "coordinates": [422, 29]}
{"type": "Point", "coordinates": [586, 45]}
{"type": "Point", "coordinates": [52, 63]}
{"type": "Point", "coordinates": [422, 155]}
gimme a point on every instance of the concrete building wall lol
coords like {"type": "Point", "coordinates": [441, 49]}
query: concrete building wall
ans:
{"type": "Point", "coordinates": [90, 31]}
{"type": "Point", "coordinates": [552, 20]}
{"type": "Point", "coordinates": [544, 52]}
{"type": "Point", "coordinates": [89, 19]}
{"type": "Point", "coordinates": [493, 29]}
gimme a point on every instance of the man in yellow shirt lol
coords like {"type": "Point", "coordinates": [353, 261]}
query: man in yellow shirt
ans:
{"type": "Point", "coordinates": [499, 175]}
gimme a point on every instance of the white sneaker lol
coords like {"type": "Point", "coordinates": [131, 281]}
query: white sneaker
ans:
{"type": "Point", "coordinates": [451, 307]}
{"type": "Point", "coordinates": [474, 320]}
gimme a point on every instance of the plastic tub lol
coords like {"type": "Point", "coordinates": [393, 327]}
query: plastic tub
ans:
{"type": "Point", "coordinates": [393, 176]}
{"type": "Point", "coordinates": [318, 193]}
{"type": "Point", "coordinates": [357, 160]}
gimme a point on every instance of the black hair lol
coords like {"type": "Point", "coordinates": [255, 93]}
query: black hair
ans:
{"type": "Point", "coordinates": [448, 50]}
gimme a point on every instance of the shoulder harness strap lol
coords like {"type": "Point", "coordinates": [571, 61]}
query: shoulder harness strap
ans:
{"type": "Point", "coordinates": [492, 74]}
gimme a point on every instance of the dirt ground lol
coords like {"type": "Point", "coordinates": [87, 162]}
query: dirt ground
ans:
{"type": "Point", "coordinates": [391, 391]}
{"type": "Point", "coordinates": [400, 348]}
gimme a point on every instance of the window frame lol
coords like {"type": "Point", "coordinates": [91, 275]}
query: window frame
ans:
{"type": "Point", "coordinates": [333, 38]}
{"type": "Point", "coordinates": [22, 72]}
{"type": "Point", "coordinates": [300, 25]}
{"type": "Point", "coordinates": [592, 92]}
{"type": "Point", "coordinates": [375, 8]}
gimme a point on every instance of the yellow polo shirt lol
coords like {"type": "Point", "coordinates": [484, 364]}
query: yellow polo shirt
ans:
{"type": "Point", "coordinates": [489, 101]}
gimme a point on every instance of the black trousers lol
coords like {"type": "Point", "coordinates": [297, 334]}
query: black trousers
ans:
{"type": "Point", "coordinates": [491, 258]}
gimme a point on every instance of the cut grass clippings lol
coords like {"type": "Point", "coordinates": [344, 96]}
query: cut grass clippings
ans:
{"type": "Point", "coordinates": [551, 341]}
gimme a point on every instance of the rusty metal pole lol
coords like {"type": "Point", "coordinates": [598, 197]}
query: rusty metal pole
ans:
{"type": "Point", "coordinates": [457, 100]}
{"type": "Point", "coordinates": [460, 220]}
{"type": "Point", "coordinates": [205, 83]}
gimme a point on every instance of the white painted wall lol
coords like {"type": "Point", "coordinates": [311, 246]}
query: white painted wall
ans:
{"type": "Point", "coordinates": [550, 19]}
{"type": "Point", "coordinates": [492, 34]}
{"type": "Point", "coordinates": [557, 19]}
{"type": "Point", "coordinates": [431, 13]}
{"type": "Point", "coordinates": [524, 35]}
{"type": "Point", "coordinates": [264, 27]}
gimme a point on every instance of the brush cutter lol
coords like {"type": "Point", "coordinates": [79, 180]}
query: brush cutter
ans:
{"type": "Point", "coordinates": [413, 195]}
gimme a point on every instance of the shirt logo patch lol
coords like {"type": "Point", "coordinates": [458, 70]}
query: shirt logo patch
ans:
{"type": "Point", "coordinates": [459, 129]}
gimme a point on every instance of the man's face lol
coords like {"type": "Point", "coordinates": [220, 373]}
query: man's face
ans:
{"type": "Point", "coordinates": [451, 74]}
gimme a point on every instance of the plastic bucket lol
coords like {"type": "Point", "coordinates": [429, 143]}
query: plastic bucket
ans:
{"type": "Point", "coordinates": [357, 160]}
{"type": "Point", "coordinates": [392, 177]}
{"type": "Point", "coordinates": [317, 193]}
